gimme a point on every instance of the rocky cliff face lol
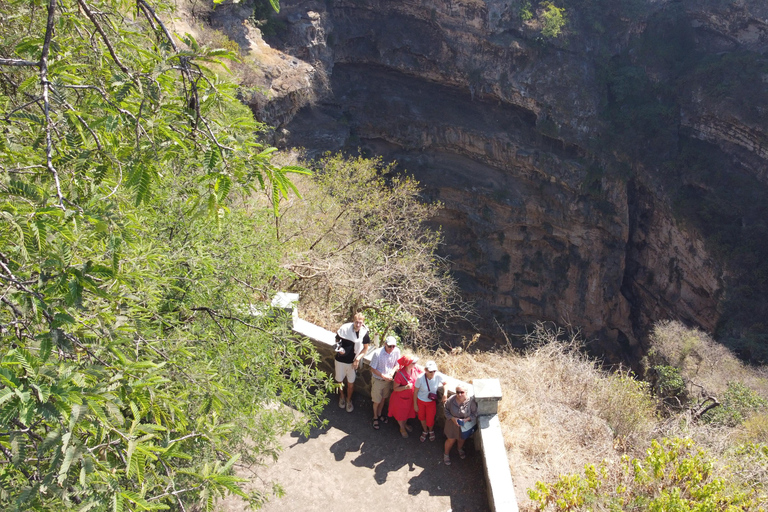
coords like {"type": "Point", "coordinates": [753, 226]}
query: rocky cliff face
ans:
{"type": "Point", "coordinates": [567, 166]}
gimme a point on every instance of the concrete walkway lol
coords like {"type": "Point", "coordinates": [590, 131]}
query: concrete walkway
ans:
{"type": "Point", "coordinates": [349, 466]}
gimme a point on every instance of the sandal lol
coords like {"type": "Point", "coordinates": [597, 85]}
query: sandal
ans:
{"type": "Point", "coordinates": [376, 424]}
{"type": "Point", "coordinates": [383, 419]}
{"type": "Point", "coordinates": [423, 437]}
{"type": "Point", "coordinates": [404, 434]}
{"type": "Point", "coordinates": [462, 454]}
{"type": "Point", "coordinates": [446, 459]}
{"type": "Point", "coordinates": [432, 435]}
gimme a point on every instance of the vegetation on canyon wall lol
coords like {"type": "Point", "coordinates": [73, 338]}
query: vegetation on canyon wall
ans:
{"type": "Point", "coordinates": [546, 16]}
{"type": "Point", "coordinates": [693, 433]}
{"type": "Point", "coordinates": [137, 219]}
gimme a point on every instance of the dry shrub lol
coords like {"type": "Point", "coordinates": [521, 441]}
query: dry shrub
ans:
{"type": "Point", "coordinates": [706, 365]}
{"type": "Point", "coordinates": [754, 430]}
{"type": "Point", "coordinates": [357, 240]}
{"type": "Point", "coordinates": [628, 407]}
{"type": "Point", "coordinates": [213, 38]}
{"type": "Point", "coordinates": [559, 410]}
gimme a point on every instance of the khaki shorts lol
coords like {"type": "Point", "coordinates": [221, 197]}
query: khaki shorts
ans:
{"type": "Point", "coordinates": [380, 389]}
{"type": "Point", "coordinates": [344, 370]}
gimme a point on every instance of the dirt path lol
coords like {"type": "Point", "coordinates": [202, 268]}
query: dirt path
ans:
{"type": "Point", "coordinates": [350, 466]}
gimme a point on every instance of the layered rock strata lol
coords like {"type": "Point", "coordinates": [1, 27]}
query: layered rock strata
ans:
{"type": "Point", "coordinates": [505, 128]}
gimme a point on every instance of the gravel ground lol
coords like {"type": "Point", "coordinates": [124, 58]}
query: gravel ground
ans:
{"type": "Point", "coordinates": [350, 466]}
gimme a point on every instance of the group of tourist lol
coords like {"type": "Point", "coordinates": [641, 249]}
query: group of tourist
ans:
{"type": "Point", "coordinates": [413, 391]}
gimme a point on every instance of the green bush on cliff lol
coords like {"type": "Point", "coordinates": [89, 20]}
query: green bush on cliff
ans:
{"type": "Point", "coordinates": [738, 403]}
{"type": "Point", "coordinates": [674, 475]}
{"type": "Point", "coordinates": [552, 19]}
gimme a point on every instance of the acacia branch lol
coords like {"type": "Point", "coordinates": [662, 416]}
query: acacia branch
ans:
{"type": "Point", "coordinates": [19, 62]}
{"type": "Point", "coordinates": [174, 493]}
{"type": "Point", "coordinates": [104, 96]}
{"type": "Point", "coordinates": [151, 15]}
{"type": "Point", "coordinates": [104, 37]}
{"type": "Point", "coordinates": [84, 123]}
{"type": "Point", "coordinates": [188, 436]}
{"type": "Point", "coordinates": [46, 101]}
{"type": "Point", "coordinates": [22, 107]}
{"type": "Point", "coordinates": [173, 485]}
{"type": "Point", "coordinates": [213, 316]}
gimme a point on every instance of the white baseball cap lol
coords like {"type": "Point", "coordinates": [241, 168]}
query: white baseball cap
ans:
{"type": "Point", "coordinates": [391, 341]}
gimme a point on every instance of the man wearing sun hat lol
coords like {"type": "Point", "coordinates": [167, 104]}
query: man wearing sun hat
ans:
{"type": "Point", "coordinates": [383, 365]}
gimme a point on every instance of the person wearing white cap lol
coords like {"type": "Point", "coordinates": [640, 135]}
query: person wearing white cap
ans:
{"type": "Point", "coordinates": [383, 364]}
{"type": "Point", "coordinates": [425, 399]}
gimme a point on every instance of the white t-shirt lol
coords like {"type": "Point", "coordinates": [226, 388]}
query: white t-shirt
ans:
{"type": "Point", "coordinates": [434, 383]}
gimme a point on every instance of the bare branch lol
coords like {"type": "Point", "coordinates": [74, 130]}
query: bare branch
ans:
{"type": "Point", "coordinates": [104, 37]}
{"type": "Point", "coordinates": [46, 101]}
{"type": "Point", "coordinates": [19, 62]}
{"type": "Point", "coordinates": [702, 409]}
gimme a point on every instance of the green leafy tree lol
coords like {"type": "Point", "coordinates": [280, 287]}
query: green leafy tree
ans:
{"type": "Point", "coordinates": [552, 19]}
{"type": "Point", "coordinates": [134, 367]}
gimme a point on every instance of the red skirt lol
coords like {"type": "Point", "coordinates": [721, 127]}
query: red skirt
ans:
{"type": "Point", "coordinates": [401, 405]}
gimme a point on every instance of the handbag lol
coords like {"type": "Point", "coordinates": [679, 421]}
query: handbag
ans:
{"type": "Point", "coordinates": [430, 395]}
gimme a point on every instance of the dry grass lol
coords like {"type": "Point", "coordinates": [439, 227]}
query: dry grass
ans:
{"type": "Point", "coordinates": [561, 411]}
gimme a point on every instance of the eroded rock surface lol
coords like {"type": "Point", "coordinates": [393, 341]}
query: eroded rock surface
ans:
{"type": "Point", "coordinates": [555, 209]}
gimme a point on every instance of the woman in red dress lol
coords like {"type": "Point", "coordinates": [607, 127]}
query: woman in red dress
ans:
{"type": "Point", "coordinates": [401, 400]}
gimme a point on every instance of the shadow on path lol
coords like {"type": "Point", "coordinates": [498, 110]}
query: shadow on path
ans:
{"type": "Point", "coordinates": [349, 465]}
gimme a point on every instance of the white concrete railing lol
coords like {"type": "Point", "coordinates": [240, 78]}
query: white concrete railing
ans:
{"type": "Point", "coordinates": [489, 439]}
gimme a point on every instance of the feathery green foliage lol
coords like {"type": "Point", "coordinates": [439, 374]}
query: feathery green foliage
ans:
{"type": "Point", "coordinates": [133, 366]}
{"type": "Point", "coordinates": [552, 20]}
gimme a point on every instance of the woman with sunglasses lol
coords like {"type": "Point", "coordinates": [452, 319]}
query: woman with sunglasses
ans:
{"type": "Point", "coordinates": [425, 399]}
{"type": "Point", "coordinates": [460, 422]}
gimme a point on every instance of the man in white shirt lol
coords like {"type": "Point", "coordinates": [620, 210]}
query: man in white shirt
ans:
{"type": "Point", "coordinates": [383, 364]}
